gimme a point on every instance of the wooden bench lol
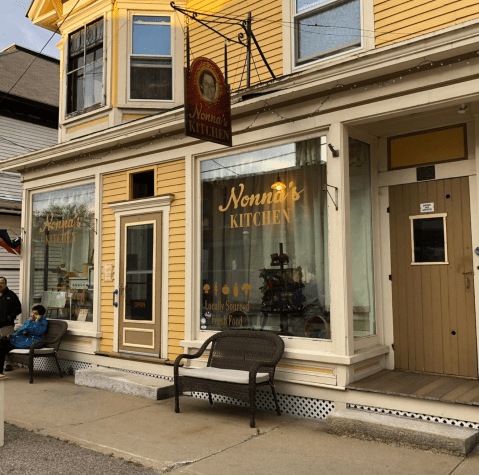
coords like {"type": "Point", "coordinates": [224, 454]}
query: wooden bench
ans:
{"type": "Point", "coordinates": [51, 340]}
{"type": "Point", "coordinates": [238, 363]}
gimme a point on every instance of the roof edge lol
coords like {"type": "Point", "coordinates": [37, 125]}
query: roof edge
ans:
{"type": "Point", "coordinates": [14, 47]}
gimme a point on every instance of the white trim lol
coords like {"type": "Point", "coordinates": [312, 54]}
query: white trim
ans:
{"type": "Point", "coordinates": [366, 25]}
{"type": "Point", "coordinates": [429, 216]}
{"type": "Point", "coordinates": [157, 204]}
{"type": "Point", "coordinates": [144, 205]}
{"type": "Point", "coordinates": [25, 264]}
{"type": "Point", "coordinates": [155, 102]}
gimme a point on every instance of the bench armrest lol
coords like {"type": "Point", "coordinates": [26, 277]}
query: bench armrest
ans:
{"type": "Point", "coordinates": [36, 343]}
{"type": "Point", "coordinates": [190, 357]}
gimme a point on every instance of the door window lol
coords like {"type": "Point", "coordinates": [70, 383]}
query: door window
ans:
{"type": "Point", "coordinates": [428, 234]}
{"type": "Point", "coordinates": [139, 273]}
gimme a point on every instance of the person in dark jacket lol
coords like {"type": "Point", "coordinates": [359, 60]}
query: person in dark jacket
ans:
{"type": "Point", "coordinates": [10, 307]}
{"type": "Point", "coordinates": [29, 333]}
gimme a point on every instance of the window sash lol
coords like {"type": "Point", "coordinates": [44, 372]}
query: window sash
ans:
{"type": "Point", "coordinates": [311, 13]}
{"type": "Point", "coordinates": [156, 61]}
{"type": "Point", "coordinates": [85, 82]}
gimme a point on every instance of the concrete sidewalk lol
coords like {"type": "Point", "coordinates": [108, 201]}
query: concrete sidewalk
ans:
{"type": "Point", "coordinates": [204, 439]}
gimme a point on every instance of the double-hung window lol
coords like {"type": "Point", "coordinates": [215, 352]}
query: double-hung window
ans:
{"type": "Point", "coordinates": [325, 27]}
{"type": "Point", "coordinates": [151, 74]}
{"type": "Point", "coordinates": [85, 67]}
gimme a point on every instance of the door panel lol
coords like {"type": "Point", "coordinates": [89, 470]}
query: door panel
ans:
{"type": "Point", "coordinates": [140, 284]}
{"type": "Point", "coordinates": [433, 302]}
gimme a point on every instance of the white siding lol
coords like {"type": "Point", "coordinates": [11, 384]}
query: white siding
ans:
{"type": "Point", "coordinates": [10, 263]}
{"type": "Point", "coordinates": [18, 137]}
{"type": "Point", "coordinates": [10, 186]}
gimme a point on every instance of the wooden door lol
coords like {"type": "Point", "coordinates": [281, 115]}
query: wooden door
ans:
{"type": "Point", "coordinates": [432, 277]}
{"type": "Point", "coordinates": [140, 284]}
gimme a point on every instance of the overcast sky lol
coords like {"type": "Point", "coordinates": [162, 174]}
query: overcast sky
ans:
{"type": "Point", "coordinates": [16, 28]}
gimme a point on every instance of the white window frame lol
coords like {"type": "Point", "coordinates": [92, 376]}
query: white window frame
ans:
{"type": "Point", "coordinates": [172, 56]}
{"type": "Point", "coordinates": [67, 114]}
{"type": "Point", "coordinates": [73, 325]}
{"type": "Point", "coordinates": [289, 36]}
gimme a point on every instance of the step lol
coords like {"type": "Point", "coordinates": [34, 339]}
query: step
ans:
{"type": "Point", "coordinates": [403, 431]}
{"type": "Point", "coordinates": [124, 382]}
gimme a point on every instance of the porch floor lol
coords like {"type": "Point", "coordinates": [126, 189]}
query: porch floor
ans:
{"type": "Point", "coordinates": [423, 386]}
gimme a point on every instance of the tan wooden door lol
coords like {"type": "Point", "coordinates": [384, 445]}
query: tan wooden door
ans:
{"type": "Point", "coordinates": [432, 278]}
{"type": "Point", "coordinates": [140, 284]}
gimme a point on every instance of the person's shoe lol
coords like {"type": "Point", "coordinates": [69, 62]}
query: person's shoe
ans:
{"type": "Point", "coordinates": [8, 367]}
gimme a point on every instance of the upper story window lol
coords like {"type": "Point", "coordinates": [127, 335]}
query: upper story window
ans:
{"type": "Point", "coordinates": [85, 67]}
{"type": "Point", "coordinates": [325, 27]}
{"type": "Point", "coordinates": [151, 73]}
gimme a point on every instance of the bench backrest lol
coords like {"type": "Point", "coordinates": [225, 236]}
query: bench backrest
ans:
{"type": "Point", "coordinates": [55, 331]}
{"type": "Point", "coordinates": [240, 349]}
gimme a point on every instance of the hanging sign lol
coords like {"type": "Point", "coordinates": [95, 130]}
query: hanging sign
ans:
{"type": "Point", "coordinates": [207, 103]}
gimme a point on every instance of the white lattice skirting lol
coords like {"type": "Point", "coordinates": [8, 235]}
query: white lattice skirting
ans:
{"type": "Point", "coordinates": [415, 415]}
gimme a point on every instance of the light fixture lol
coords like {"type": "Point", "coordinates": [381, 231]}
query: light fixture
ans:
{"type": "Point", "coordinates": [278, 185]}
{"type": "Point", "coordinates": [462, 109]}
{"type": "Point", "coordinates": [333, 150]}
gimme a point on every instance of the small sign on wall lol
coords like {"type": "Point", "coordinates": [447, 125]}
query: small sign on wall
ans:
{"type": "Point", "coordinates": [107, 273]}
{"type": "Point", "coordinates": [426, 207]}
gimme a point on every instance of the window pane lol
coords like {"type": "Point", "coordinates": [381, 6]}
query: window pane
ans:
{"type": "Point", "coordinates": [85, 86]}
{"type": "Point", "coordinates": [264, 261]}
{"type": "Point", "coordinates": [150, 36]}
{"type": "Point", "coordinates": [138, 297]}
{"type": "Point", "coordinates": [75, 89]}
{"type": "Point", "coordinates": [76, 62]}
{"type": "Point", "coordinates": [364, 319]}
{"type": "Point", "coordinates": [139, 254]}
{"type": "Point", "coordinates": [139, 272]}
{"type": "Point", "coordinates": [93, 83]}
{"type": "Point", "coordinates": [61, 274]}
{"type": "Point", "coordinates": [329, 30]}
{"type": "Point", "coordinates": [151, 79]}
{"type": "Point", "coordinates": [302, 5]}
{"type": "Point", "coordinates": [94, 34]}
{"type": "Point", "coordinates": [77, 42]}
{"type": "Point", "coordinates": [429, 242]}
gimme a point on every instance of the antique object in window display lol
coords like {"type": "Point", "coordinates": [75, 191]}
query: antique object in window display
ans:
{"type": "Point", "coordinates": [282, 291]}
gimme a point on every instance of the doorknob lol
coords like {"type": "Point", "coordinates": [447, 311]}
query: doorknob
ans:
{"type": "Point", "coordinates": [466, 275]}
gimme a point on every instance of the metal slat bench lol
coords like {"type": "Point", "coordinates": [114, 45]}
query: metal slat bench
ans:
{"type": "Point", "coordinates": [238, 363]}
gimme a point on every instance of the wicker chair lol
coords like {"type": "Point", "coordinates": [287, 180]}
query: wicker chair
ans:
{"type": "Point", "coordinates": [238, 362]}
{"type": "Point", "coordinates": [51, 339]}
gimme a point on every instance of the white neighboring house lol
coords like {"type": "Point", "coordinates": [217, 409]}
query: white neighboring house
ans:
{"type": "Point", "coordinates": [28, 121]}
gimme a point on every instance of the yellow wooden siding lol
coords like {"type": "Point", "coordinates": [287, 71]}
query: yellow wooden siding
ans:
{"type": "Point", "coordinates": [114, 189]}
{"type": "Point", "coordinates": [397, 20]}
{"type": "Point", "coordinates": [266, 26]}
{"type": "Point", "coordinates": [170, 179]}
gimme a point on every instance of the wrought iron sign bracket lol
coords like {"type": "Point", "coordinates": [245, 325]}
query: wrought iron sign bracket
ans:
{"type": "Point", "coordinates": [325, 188]}
{"type": "Point", "coordinates": [241, 40]}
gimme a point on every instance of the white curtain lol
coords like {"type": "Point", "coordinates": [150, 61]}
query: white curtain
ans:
{"type": "Point", "coordinates": [236, 247]}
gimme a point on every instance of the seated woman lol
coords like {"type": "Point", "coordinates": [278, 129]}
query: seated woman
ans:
{"type": "Point", "coordinates": [30, 332]}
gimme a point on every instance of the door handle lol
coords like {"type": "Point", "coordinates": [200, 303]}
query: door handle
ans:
{"type": "Point", "coordinates": [115, 293]}
{"type": "Point", "coordinates": [468, 282]}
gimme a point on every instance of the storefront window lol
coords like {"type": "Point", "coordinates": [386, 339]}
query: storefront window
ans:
{"type": "Point", "coordinates": [61, 278]}
{"type": "Point", "coordinates": [364, 319]}
{"type": "Point", "coordinates": [264, 261]}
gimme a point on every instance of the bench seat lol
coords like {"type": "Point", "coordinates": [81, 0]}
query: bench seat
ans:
{"type": "Point", "coordinates": [219, 374]}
